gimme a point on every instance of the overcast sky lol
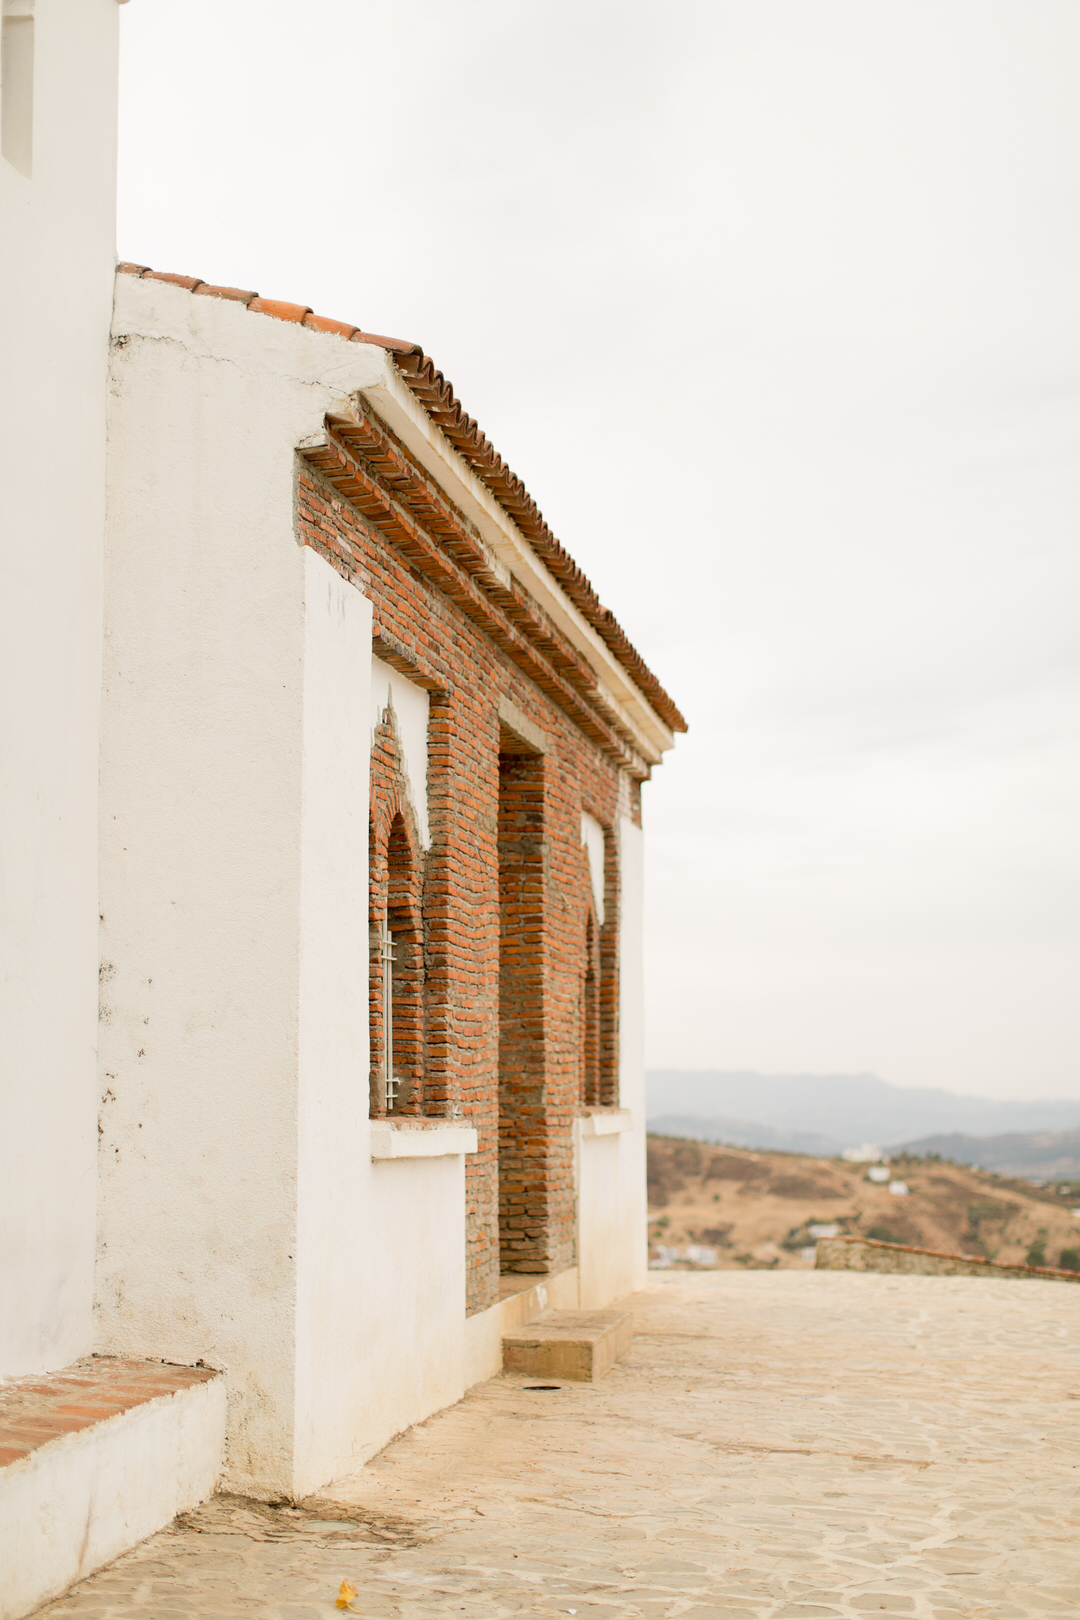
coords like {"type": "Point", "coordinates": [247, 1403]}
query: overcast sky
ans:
{"type": "Point", "coordinates": [775, 307]}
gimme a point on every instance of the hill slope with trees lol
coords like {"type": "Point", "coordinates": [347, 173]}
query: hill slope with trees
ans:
{"type": "Point", "coordinates": [735, 1208]}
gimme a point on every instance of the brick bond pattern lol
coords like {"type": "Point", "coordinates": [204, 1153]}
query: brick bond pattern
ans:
{"type": "Point", "coordinates": [445, 621]}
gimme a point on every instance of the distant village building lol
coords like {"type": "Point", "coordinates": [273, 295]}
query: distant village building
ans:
{"type": "Point", "coordinates": [322, 754]}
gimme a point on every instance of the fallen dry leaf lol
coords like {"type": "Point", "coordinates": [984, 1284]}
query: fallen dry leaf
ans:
{"type": "Point", "coordinates": [345, 1596]}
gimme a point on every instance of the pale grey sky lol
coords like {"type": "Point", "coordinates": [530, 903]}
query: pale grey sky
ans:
{"type": "Point", "coordinates": [773, 304]}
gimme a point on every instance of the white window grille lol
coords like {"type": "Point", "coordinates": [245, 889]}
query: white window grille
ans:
{"type": "Point", "coordinates": [390, 1081]}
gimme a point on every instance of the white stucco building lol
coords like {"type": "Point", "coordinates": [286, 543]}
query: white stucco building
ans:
{"type": "Point", "coordinates": [57, 208]}
{"type": "Point", "coordinates": [320, 881]}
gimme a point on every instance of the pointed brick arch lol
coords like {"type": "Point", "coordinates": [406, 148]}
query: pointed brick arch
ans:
{"type": "Point", "coordinates": [396, 904]}
{"type": "Point", "coordinates": [591, 1042]}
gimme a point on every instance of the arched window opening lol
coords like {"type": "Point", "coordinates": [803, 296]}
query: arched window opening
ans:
{"type": "Point", "coordinates": [590, 1016]}
{"type": "Point", "coordinates": [600, 969]}
{"type": "Point", "coordinates": [397, 976]}
{"type": "Point", "coordinates": [608, 968]}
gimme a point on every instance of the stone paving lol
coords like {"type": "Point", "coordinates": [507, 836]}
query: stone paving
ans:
{"type": "Point", "coordinates": [774, 1445]}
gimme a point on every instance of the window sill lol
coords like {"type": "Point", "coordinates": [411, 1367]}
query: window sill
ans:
{"type": "Point", "coordinates": [420, 1141]}
{"type": "Point", "coordinates": [608, 1123]}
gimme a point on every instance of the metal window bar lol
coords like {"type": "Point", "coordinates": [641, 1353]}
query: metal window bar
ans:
{"type": "Point", "coordinates": [390, 1081]}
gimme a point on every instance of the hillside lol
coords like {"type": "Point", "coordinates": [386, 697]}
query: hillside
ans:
{"type": "Point", "coordinates": [825, 1113]}
{"type": "Point", "coordinates": [755, 1209]}
{"type": "Point", "coordinates": [747, 1133]}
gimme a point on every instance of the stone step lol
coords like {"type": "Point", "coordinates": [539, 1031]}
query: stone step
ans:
{"type": "Point", "coordinates": [569, 1344]}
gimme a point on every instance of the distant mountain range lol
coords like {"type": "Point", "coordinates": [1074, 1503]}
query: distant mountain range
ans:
{"type": "Point", "coordinates": [1038, 1155]}
{"type": "Point", "coordinates": [826, 1113]}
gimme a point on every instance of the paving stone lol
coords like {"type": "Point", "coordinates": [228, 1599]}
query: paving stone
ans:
{"type": "Point", "coordinates": [774, 1446]}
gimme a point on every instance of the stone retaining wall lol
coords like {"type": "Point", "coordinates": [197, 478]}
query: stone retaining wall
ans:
{"type": "Point", "coordinates": [866, 1254]}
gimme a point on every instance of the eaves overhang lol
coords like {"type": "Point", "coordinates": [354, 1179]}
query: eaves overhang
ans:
{"type": "Point", "coordinates": [419, 407]}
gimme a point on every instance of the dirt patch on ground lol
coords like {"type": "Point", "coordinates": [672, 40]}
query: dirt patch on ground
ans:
{"type": "Point", "coordinates": [755, 1209]}
{"type": "Point", "coordinates": [316, 1520]}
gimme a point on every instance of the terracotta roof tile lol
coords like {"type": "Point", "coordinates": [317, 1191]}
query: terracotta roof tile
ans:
{"type": "Point", "coordinates": [190, 282]}
{"type": "Point", "coordinates": [207, 291]}
{"type": "Point", "coordinates": [442, 405]}
{"type": "Point", "coordinates": [279, 310]}
{"type": "Point", "coordinates": [395, 345]}
{"type": "Point", "coordinates": [323, 323]}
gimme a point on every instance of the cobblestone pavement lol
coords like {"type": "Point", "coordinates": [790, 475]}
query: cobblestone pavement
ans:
{"type": "Point", "coordinates": [774, 1445]}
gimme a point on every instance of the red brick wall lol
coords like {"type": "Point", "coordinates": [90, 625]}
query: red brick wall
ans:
{"type": "Point", "coordinates": [525, 1225]}
{"type": "Point", "coordinates": [506, 864]}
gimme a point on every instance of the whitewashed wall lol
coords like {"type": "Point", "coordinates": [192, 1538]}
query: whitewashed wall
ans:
{"type": "Point", "coordinates": [632, 1042]}
{"type": "Point", "coordinates": [332, 1233]}
{"type": "Point", "coordinates": [201, 773]}
{"type": "Point", "coordinates": [56, 271]}
{"type": "Point", "coordinates": [243, 1219]}
{"type": "Point", "coordinates": [380, 1246]}
{"type": "Point", "coordinates": [610, 1152]}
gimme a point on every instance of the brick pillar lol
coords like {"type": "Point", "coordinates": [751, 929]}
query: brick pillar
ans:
{"type": "Point", "coordinates": [524, 1129]}
{"type": "Point", "coordinates": [462, 935]}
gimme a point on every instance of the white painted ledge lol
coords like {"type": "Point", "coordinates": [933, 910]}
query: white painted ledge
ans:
{"type": "Point", "coordinates": [82, 1499]}
{"type": "Point", "coordinates": [420, 1141]}
{"type": "Point", "coordinates": [609, 1124]}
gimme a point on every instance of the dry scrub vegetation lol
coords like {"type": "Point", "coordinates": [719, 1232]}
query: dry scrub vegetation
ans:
{"type": "Point", "coordinates": [755, 1208]}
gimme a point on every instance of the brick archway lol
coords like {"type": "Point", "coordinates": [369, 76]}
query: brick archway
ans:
{"type": "Point", "coordinates": [396, 915]}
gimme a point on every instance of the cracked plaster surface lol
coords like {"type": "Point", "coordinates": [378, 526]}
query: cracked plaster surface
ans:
{"type": "Point", "coordinates": [774, 1445]}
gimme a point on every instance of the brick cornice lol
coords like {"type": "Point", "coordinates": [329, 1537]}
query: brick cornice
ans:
{"type": "Point", "coordinates": [435, 394]}
{"type": "Point", "coordinates": [392, 465]}
{"type": "Point", "coordinates": [456, 562]}
{"type": "Point", "coordinates": [438, 398]}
